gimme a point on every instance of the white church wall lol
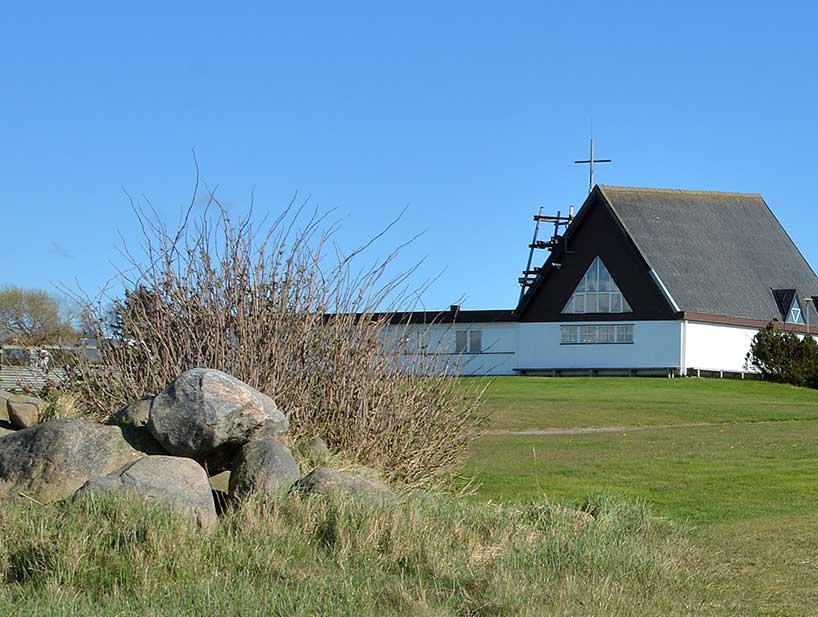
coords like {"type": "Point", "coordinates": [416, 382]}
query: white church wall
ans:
{"type": "Point", "coordinates": [507, 347]}
{"type": "Point", "coordinates": [433, 348]}
{"type": "Point", "coordinates": [656, 344]}
{"type": "Point", "coordinates": [717, 347]}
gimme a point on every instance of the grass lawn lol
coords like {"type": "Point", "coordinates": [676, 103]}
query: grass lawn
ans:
{"type": "Point", "coordinates": [518, 403]}
{"type": "Point", "coordinates": [740, 463]}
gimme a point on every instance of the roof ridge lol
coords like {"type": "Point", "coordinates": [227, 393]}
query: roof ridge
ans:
{"type": "Point", "coordinates": [685, 191]}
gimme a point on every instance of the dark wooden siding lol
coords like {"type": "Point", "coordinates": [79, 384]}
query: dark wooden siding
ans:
{"type": "Point", "coordinates": [596, 232]}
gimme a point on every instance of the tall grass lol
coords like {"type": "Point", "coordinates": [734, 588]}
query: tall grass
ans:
{"type": "Point", "coordinates": [110, 556]}
{"type": "Point", "coordinates": [269, 304]}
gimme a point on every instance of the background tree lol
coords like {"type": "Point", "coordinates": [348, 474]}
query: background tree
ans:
{"type": "Point", "coordinates": [785, 357]}
{"type": "Point", "coordinates": [34, 317]}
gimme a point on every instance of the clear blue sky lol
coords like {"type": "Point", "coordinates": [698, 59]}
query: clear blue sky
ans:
{"type": "Point", "coordinates": [470, 113]}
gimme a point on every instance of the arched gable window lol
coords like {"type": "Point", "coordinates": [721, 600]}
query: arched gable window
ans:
{"type": "Point", "coordinates": [597, 292]}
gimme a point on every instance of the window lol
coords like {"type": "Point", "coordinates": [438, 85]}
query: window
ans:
{"type": "Point", "coordinates": [795, 314]}
{"type": "Point", "coordinates": [568, 335]}
{"type": "Point", "coordinates": [624, 334]}
{"type": "Point", "coordinates": [475, 341]}
{"type": "Point", "coordinates": [468, 341]}
{"type": "Point", "coordinates": [602, 334]}
{"type": "Point", "coordinates": [460, 341]}
{"type": "Point", "coordinates": [597, 293]}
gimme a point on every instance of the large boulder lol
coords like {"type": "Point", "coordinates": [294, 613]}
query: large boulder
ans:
{"type": "Point", "coordinates": [50, 461]}
{"type": "Point", "coordinates": [333, 483]}
{"type": "Point", "coordinates": [25, 411]}
{"type": "Point", "coordinates": [263, 465]}
{"type": "Point", "coordinates": [208, 415]}
{"type": "Point", "coordinates": [180, 483]}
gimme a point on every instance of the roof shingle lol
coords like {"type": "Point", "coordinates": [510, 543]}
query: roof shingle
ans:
{"type": "Point", "coordinates": [717, 253]}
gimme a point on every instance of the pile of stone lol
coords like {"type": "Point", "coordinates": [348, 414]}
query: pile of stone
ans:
{"type": "Point", "coordinates": [18, 411]}
{"type": "Point", "coordinates": [205, 424]}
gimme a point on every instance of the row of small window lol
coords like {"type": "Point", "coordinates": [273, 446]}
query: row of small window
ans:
{"type": "Point", "coordinates": [468, 341]}
{"type": "Point", "coordinates": [596, 335]}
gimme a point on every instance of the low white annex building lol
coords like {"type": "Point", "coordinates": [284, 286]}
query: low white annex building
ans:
{"type": "Point", "coordinates": [643, 281]}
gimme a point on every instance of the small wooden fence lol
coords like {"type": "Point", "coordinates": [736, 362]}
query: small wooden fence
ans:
{"type": "Point", "coordinates": [28, 378]}
{"type": "Point", "coordinates": [21, 368]}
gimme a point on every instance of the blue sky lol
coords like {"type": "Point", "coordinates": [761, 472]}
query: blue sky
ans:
{"type": "Point", "coordinates": [469, 113]}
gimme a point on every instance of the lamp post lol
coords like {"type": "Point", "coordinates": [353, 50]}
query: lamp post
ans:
{"type": "Point", "coordinates": [807, 302]}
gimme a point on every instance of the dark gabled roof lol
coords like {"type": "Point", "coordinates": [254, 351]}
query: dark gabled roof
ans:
{"type": "Point", "coordinates": [451, 317]}
{"type": "Point", "coordinates": [716, 253]}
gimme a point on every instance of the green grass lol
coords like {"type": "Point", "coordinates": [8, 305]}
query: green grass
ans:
{"type": "Point", "coordinates": [706, 504]}
{"type": "Point", "coordinates": [739, 462]}
{"type": "Point", "coordinates": [516, 403]}
{"type": "Point", "coordinates": [337, 558]}
{"type": "Point", "coordinates": [701, 474]}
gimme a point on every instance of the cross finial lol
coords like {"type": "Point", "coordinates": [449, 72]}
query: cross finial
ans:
{"type": "Point", "coordinates": [590, 162]}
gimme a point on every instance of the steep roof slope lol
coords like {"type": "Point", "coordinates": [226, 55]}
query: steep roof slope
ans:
{"type": "Point", "coordinates": [717, 253]}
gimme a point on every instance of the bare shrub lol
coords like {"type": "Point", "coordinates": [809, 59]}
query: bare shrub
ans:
{"type": "Point", "coordinates": [270, 304]}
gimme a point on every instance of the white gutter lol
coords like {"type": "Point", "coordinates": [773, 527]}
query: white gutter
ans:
{"type": "Point", "coordinates": [683, 330]}
{"type": "Point", "coordinates": [665, 292]}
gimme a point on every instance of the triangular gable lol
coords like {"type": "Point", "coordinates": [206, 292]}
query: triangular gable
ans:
{"type": "Point", "coordinates": [594, 233]}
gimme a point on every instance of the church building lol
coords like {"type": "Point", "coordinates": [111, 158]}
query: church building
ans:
{"type": "Point", "coordinates": [641, 282]}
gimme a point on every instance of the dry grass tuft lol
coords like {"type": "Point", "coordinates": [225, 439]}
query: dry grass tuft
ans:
{"type": "Point", "coordinates": [66, 404]}
{"type": "Point", "coordinates": [109, 556]}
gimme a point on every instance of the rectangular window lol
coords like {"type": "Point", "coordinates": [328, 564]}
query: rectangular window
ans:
{"type": "Point", "coordinates": [602, 334]}
{"type": "Point", "coordinates": [587, 335]}
{"type": "Point", "coordinates": [475, 341]}
{"type": "Point", "coordinates": [460, 341]}
{"type": "Point", "coordinates": [468, 341]}
{"type": "Point", "coordinates": [624, 334]}
{"type": "Point", "coordinates": [604, 280]}
{"type": "Point", "coordinates": [568, 335]}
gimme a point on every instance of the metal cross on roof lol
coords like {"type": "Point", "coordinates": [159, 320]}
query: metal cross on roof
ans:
{"type": "Point", "coordinates": [590, 162]}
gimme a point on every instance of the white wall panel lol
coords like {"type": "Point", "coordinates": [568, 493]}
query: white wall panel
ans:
{"type": "Point", "coordinates": [437, 352]}
{"type": "Point", "coordinates": [656, 344]}
{"type": "Point", "coordinates": [716, 347]}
